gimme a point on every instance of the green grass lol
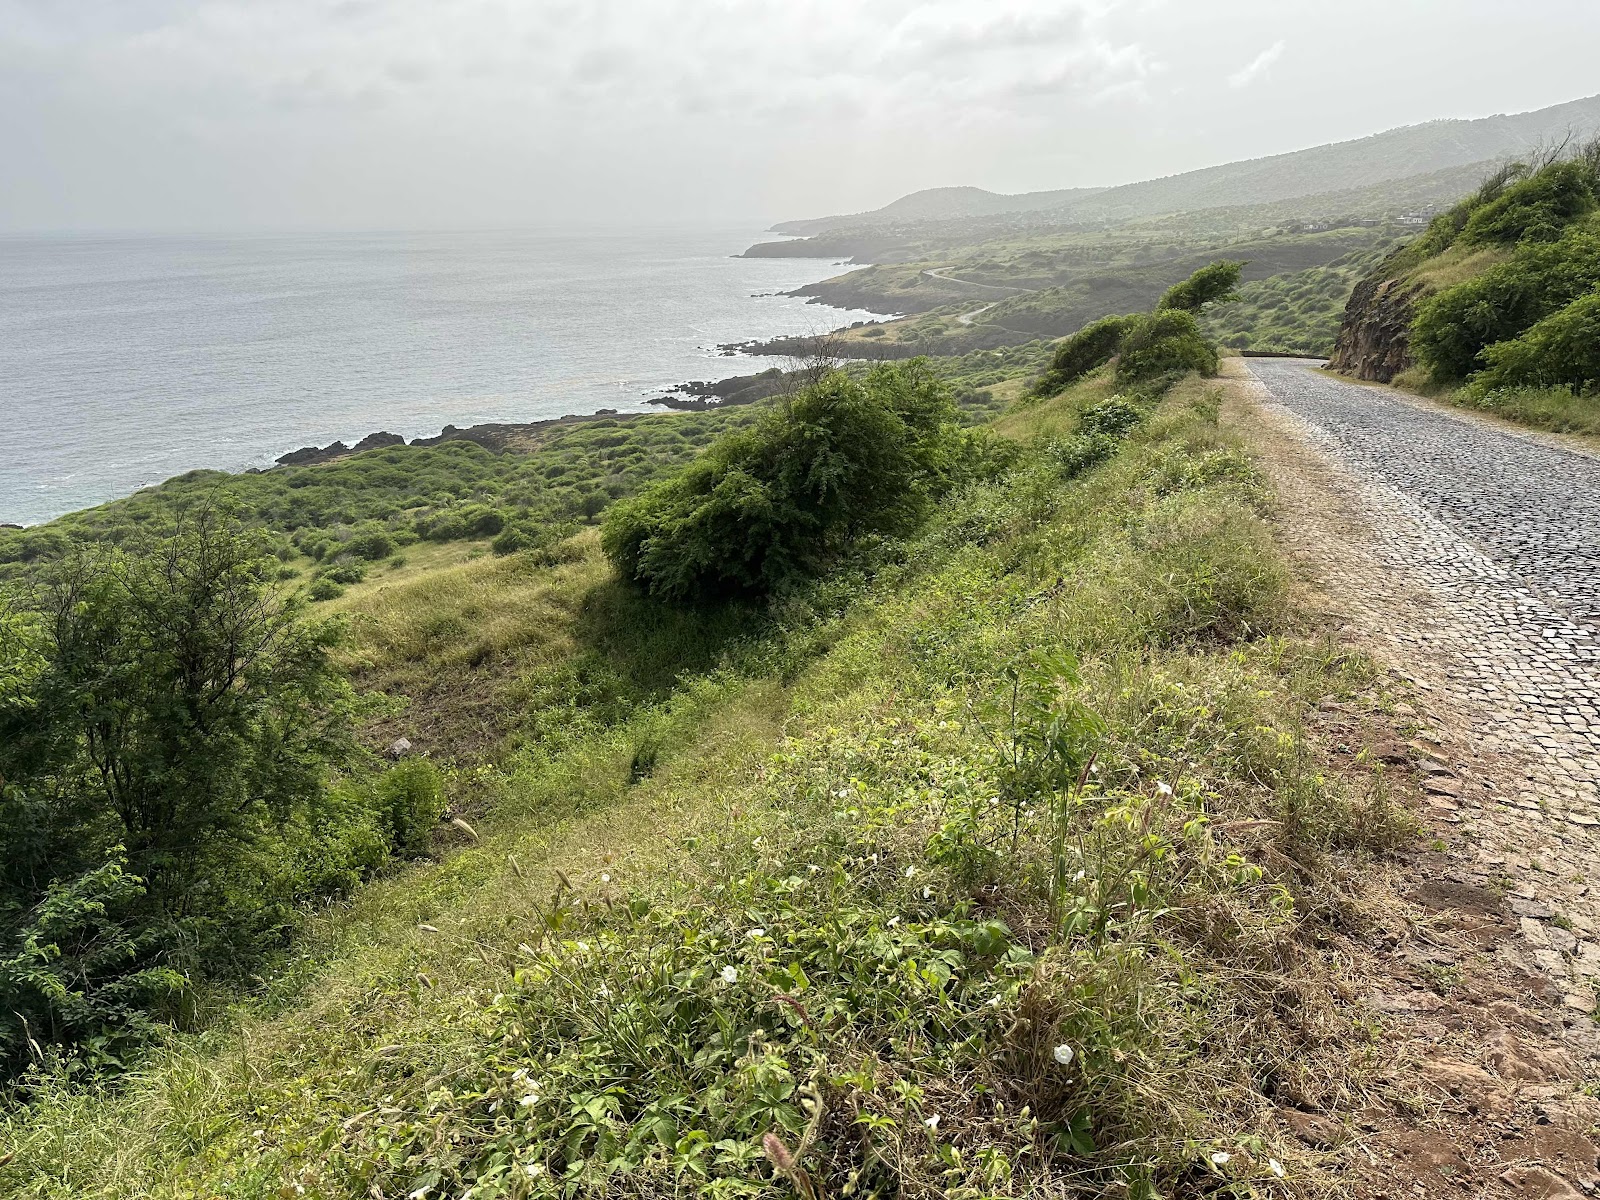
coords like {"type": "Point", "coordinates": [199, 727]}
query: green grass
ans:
{"type": "Point", "coordinates": [1556, 410]}
{"type": "Point", "coordinates": [559, 477]}
{"type": "Point", "coordinates": [1035, 787]}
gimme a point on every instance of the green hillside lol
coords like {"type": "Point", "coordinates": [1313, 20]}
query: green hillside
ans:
{"type": "Point", "coordinates": [1396, 154]}
{"type": "Point", "coordinates": [1497, 304]}
{"type": "Point", "coordinates": [880, 805]}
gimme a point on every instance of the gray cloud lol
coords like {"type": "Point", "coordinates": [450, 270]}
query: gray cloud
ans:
{"type": "Point", "coordinates": [1257, 66]}
{"type": "Point", "coordinates": [216, 113]}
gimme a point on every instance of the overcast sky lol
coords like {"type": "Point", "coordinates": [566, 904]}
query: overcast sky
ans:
{"type": "Point", "coordinates": [211, 114]}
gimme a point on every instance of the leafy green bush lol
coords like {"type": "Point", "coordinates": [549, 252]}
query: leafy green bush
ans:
{"type": "Point", "coordinates": [345, 572]}
{"type": "Point", "coordinates": [765, 507]}
{"type": "Point", "coordinates": [167, 713]}
{"type": "Point", "coordinates": [371, 545]}
{"type": "Point", "coordinates": [1112, 417]}
{"type": "Point", "coordinates": [78, 969]}
{"type": "Point", "coordinates": [410, 798]}
{"type": "Point", "coordinates": [1537, 209]}
{"type": "Point", "coordinates": [1092, 346]}
{"type": "Point", "coordinates": [1162, 346]}
{"type": "Point", "coordinates": [1562, 350]}
{"type": "Point", "coordinates": [324, 589]}
{"type": "Point", "coordinates": [1452, 328]}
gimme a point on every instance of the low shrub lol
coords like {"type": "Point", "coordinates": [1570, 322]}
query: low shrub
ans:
{"type": "Point", "coordinates": [1537, 209]}
{"type": "Point", "coordinates": [411, 801]}
{"type": "Point", "coordinates": [1092, 346]}
{"type": "Point", "coordinates": [1453, 328]}
{"type": "Point", "coordinates": [766, 507]}
{"type": "Point", "coordinates": [1161, 347]}
{"type": "Point", "coordinates": [372, 545]}
{"type": "Point", "coordinates": [324, 589]}
{"type": "Point", "coordinates": [1562, 350]}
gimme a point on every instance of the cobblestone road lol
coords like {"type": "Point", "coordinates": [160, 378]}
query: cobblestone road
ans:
{"type": "Point", "coordinates": [1472, 553]}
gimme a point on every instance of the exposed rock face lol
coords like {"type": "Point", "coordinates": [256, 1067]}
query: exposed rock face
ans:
{"type": "Point", "coordinates": [1375, 338]}
{"type": "Point", "coordinates": [307, 455]}
{"type": "Point", "coordinates": [377, 441]}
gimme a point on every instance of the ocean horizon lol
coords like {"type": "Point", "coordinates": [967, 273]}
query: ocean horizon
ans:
{"type": "Point", "coordinates": [128, 359]}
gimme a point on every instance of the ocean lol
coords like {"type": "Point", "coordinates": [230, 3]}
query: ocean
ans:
{"type": "Point", "coordinates": [127, 360]}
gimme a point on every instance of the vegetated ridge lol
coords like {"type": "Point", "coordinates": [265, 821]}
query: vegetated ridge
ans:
{"type": "Point", "coordinates": [902, 807]}
{"type": "Point", "coordinates": [934, 204]}
{"type": "Point", "coordinates": [1497, 304]}
{"type": "Point", "coordinates": [1395, 154]}
{"type": "Point", "coordinates": [974, 281]}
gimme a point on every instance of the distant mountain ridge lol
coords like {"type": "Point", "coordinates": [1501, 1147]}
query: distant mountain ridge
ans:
{"type": "Point", "coordinates": [1407, 151]}
{"type": "Point", "coordinates": [942, 204]}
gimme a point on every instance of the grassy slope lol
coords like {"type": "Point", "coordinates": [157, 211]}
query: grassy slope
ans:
{"type": "Point", "coordinates": [838, 792]}
{"type": "Point", "coordinates": [563, 473]}
{"type": "Point", "coordinates": [1298, 283]}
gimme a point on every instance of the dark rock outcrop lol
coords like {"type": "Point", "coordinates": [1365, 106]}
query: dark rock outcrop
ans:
{"type": "Point", "coordinates": [307, 455]}
{"type": "Point", "coordinates": [377, 441]}
{"type": "Point", "coordinates": [1375, 339]}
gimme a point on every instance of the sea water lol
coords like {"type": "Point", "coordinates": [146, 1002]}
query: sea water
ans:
{"type": "Point", "coordinates": [127, 360]}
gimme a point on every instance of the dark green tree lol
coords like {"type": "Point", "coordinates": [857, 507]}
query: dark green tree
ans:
{"type": "Point", "coordinates": [159, 711]}
{"type": "Point", "coordinates": [1216, 283]}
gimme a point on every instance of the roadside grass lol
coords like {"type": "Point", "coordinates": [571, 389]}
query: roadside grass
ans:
{"type": "Point", "coordinates": [1554, 410]}
{"type": "Point", "coordinates": [1002, 870]}
{"type": "Point", "coordinates": [1557, 410]}
{"type": "Point", "coordinates": [1457, 265]}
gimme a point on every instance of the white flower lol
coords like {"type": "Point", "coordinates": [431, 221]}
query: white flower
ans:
{"type": "Point", "coordinates": [529, 1100]}
{"type": "Point", "coordinates": [927, 893]}
{"type": "Point", "coordinates": [605, 876]}
{"type": "Point", "coordinates": [910, 871]}
{"type": "Point", "coordinates": [932, 1122]}
{"type": "Point", "coordinates": [993, 1001]}
{"type": "Point", "coordinates": [1221, 1158]}
{"type": "Point", "coordinates": [757, 931]}
{"type": "Point", "coordinates": [1063, 1054]}
{"type": "Point", "coordinates": [893, 921]}
{"type": "Point", "coordinates": [420, 1192]}
{"type": "Point", "coordinates": [1163, 787]}
{"type": "Point", "coordinates": [1275, 1167]}
{"type": "Point", "coordinates": [534, 1170]}
{"type": "Point", "coordinates": [994, 801]}
{"type": "Point", "coordinates": [755, 843]}
{"type": "Point", "coordinates": [872, 858]}
{"type": "Point", "coordinates": [730, 974]}
{"type": "Point", "coordinates": [813, 868]}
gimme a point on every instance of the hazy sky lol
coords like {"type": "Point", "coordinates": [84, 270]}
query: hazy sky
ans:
{"type": "Point", "coordinates": [204, 114]}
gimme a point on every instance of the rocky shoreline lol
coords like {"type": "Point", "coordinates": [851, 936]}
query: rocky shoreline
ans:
{"type": "Point", "coordinates": [696, 395]}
